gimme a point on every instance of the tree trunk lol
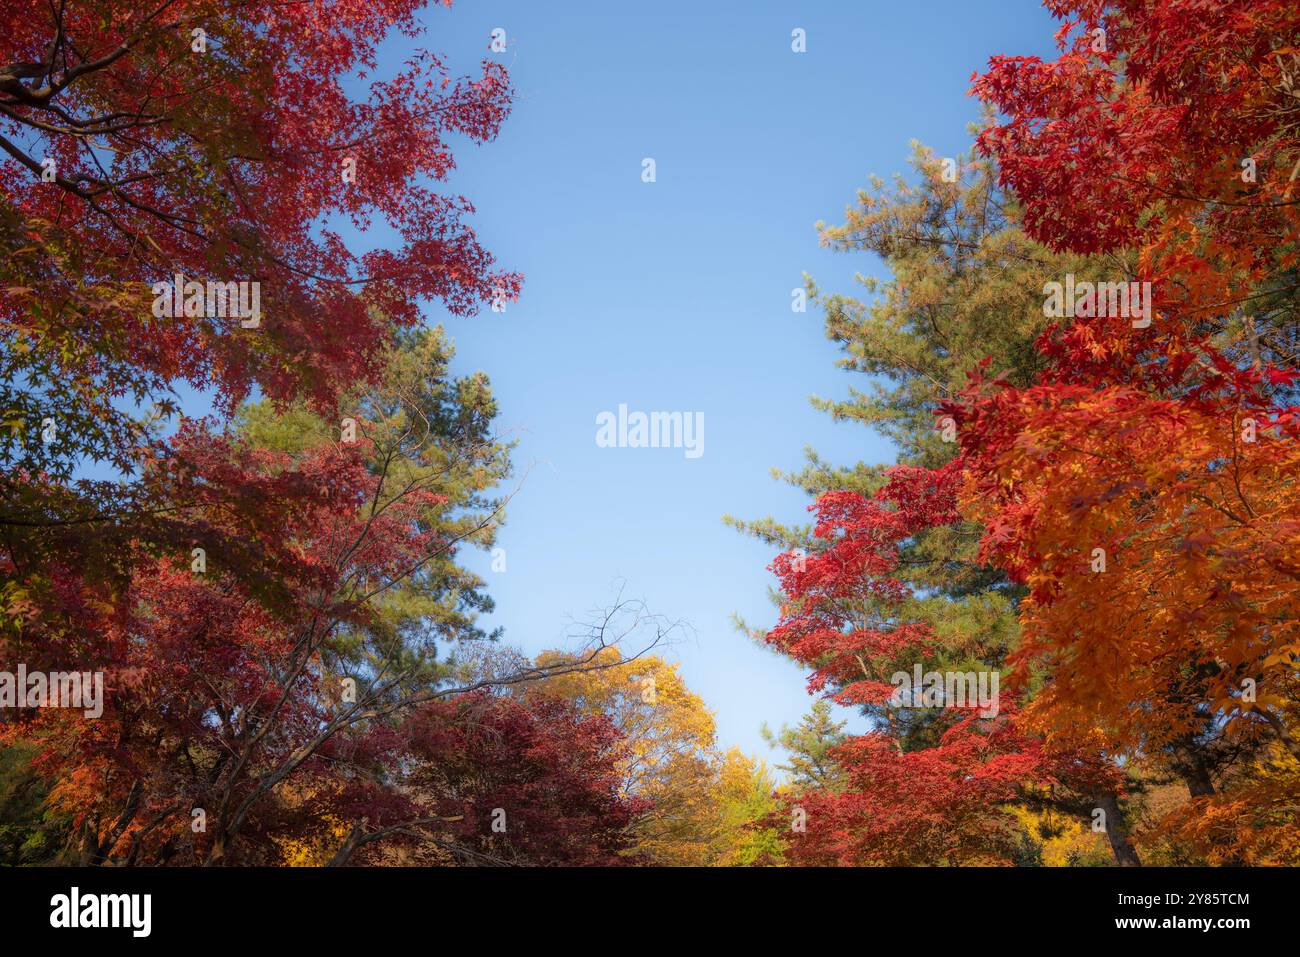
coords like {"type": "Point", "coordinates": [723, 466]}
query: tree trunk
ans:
{"type": "Point", "coordinates": [1126, 854]}
{"type": "Point", "coordinates": [1198, 781]}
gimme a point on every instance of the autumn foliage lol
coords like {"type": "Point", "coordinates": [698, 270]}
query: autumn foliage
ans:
{"type": "Point", "coordinates": [263, 590]}
{"type": "Point", "coordinates": [1169, 447]}
{"type": "Point", "coordinates": [1067, 617]}
{"type": "Point", "coordinates": [1132, 490]}
{"type": "Point", "coordinates": [221, 136]}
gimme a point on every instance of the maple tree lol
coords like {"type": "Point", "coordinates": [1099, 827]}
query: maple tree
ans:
{"type": "Point", "coordinates": [890, 575]}
{"type": "Point", "coordinates": [203, 143]}
{"type": "Point", "coordinates": [146, 140]}
{"type": "Point", "coordinates": [268, 691]}
{"type": "Point", "coordinates": [264, 589]}
{"type": "Point", "coordinates": [933, 782]}
{"type": "Point", "coordinates": [1143, 488]}
{"type": "Point", "coordinates": [1164, 137]}
{"type": "Point", "coordinates": [1130, 484]}
{"type": "Point", "coordinates": [508, 780]}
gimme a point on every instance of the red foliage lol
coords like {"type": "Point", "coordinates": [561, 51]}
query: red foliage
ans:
{"type": "Point", "coordinates": [933, 806]}
{"type": "Point", "coordinates": [839, 616]}
{"type": "Point", "coordinates": [553, 773]}
{"type": "Point", "coordinates": [844, 616]}
{"type": "Point", "coordinates": [227, 165]}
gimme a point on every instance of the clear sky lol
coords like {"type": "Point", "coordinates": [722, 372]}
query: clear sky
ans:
{"type": "Point", "coordinates": [675, 295]}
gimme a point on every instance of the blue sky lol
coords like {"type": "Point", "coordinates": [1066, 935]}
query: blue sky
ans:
{"type": "Point", "coordinates": [675, 295]}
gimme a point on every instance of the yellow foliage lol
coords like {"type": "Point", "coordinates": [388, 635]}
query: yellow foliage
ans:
{"type": "Point", "coordinates": [699, 796]}
{"type": "Point", "coordinates": [1253, 821]}
{"type": "Point", "coordinates": [1065, 841]}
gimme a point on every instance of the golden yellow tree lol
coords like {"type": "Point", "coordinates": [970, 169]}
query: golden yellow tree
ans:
{"type": "Point", "coordinates": [746, 795]}
{"type": "Point", "coordinates": [703, 801]}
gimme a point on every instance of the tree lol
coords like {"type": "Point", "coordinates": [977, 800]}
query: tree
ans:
{"type": "Point", "coordinates": [1152, 151]}
{"type": "Point", "coordinates": [272, 683]}
{"type": "Point", "coordinates": [1155, 545]}
{"type": "Point", "coordinates": [669, 763]}
{"type": "Point", "coordinates": [218, 143]}
{"type": "Point", "coordinates": [937, 779]}
{"type": "Point", "coordinates": [890, 576]}
{"type": "Point", "coordinates": [810, 746]}
{"type": "Point", "coordinates": [699, 807]}
{"type": "Point", "coordinates": [961, 266]}
{"type": "Point", "coordinates": [508, 779]}
{"type": "Point", "coordinates": [1164, 139]}
{"type": "Point", "coordinates": [262, 594]}
{"type": "Point", "coordinates": [747, 798]}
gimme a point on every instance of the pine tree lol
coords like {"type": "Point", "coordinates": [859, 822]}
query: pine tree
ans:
{"type": "Point", "coordinates": [965, 293]}
{"type": "Point", "coordinates": [810, 762]}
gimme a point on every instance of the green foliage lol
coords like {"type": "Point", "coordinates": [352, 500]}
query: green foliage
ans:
{"type": "Point", "coordinates": [747, 800]}
{"type": "Point", "coordinates": [964, 286]}
{"type": "Point", "coordinates": [808, 745]}
{"type": "Point", "coordinates": [29, 834]}
{"type": "Point", "coordinates": [430, 431]}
